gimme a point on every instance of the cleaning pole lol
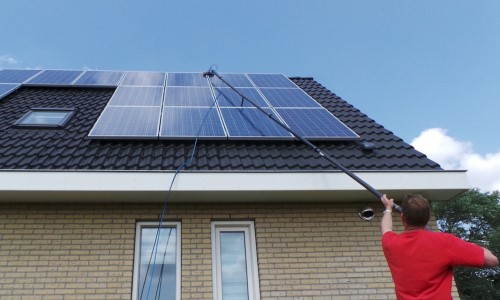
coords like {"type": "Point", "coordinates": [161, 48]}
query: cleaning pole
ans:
{"type": "Point", "coordinates": [211, 73]}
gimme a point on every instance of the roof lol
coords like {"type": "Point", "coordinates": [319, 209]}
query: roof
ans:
{"type": "Point", "coordinates": [71, 149]}
{"type": "Point", "coordinates": [51, 165]}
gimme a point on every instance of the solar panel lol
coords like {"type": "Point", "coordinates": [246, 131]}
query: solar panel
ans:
{"type": "Point", "coordinates": [250, 123]}
{"type": "Point", "coordinates": [316, 124]}
{"type": "Point", "coordinates": [235, 80]}
{"type": "Point", "coordinates": [8, 88]}
{"type": "Point", "coordinates": [137, 96]}
{"type": "Point", "coordinates": [127, 122]}
{"type": "Point", "coordinates": [186, 79]}
{"type": "Point", "coordinates": [288, 98]}
{"type": "Point", "coordinates": [185, 122]}
{"type": "Point", "coordinates": [144, 78]}
{"type": "Point", "coordinates": [141, 108]}
{"type": "Point", "coordinates": [188, 96]}
{"type": "Point", "coordinates": [55, 77]}
{"type": "Point", "coordinates": [100, 78]}
{"type": "Point", "coordinates": [271, 80]}
{"type": "Point", "coordinates": [227, 97]}
{"type": "Point", "coordinates": [16, 76]}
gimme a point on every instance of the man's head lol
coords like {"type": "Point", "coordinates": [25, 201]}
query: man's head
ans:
{"type": "Point", "coordinates": [416, 210]}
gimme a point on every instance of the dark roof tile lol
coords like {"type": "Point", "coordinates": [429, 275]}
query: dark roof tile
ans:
{"type": "Point", "coordinates": [72, 149]}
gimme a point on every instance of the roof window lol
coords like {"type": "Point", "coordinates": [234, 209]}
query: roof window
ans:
{"type": "Point", "coordinates": [45, 117]}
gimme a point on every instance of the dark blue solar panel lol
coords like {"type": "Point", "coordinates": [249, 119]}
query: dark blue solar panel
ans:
{"type": "Point", "coordinates": [56, 77]}
{"type": "Point", "coordinates": [188, 96]}
{"type": "Point", "coordinates": [244, 123]}
{"type": "Point", "coordinates": [16, 76]}
{"type": "Point", "coordinates": [271, 80]}
{"type": "Point", "coordinates": [185, 122]}
{"type": "Point", "coordinates": [235, 80]}
{"type": "Point", "coordinates": [227, 97]}
{"type": "Point", "coordinates": [288, 98]}
{"type": "Point", "coordinates": [127, 122]}
{"type": "Point", "coordinates": [136, 107]}
{"type": "Point", "coordinates": [137, 96]}
{"type": "Point", "coordinates": [186, 79]}
{"type": "Point", "coordinates": [6, 89]}
{"type": "Point", "coordinates": [144, 78]}
{"type": "Point", "coordinates": [315, 123]}
{"type": "Point", "coordinates": [100, 78]}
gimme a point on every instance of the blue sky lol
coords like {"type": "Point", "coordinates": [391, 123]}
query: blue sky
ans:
{"type": "Point", "coordinates": [410, 65]}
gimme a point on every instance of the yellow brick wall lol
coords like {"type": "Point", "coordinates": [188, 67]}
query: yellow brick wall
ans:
{"type": "Point", "coordinates": [86, 251]}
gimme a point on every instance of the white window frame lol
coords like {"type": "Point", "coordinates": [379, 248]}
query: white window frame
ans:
{"type": "Point", "coordinates": [251, 253]}
{"type": "Point", "coordinates": [139, 226]}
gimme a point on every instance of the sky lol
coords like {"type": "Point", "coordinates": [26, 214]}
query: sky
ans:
{"type": "Point", "coordinates": [427, 70]}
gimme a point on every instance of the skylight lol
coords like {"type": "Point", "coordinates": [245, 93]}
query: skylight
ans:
{"type": "Point", "coordinates": [45, 117]}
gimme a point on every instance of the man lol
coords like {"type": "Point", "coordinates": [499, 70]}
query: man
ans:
{"type": "Point", "coordinates": [421, 261]}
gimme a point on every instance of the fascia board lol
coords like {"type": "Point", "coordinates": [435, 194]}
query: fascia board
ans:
{"type": "Point", "coordinates": [152, 186]}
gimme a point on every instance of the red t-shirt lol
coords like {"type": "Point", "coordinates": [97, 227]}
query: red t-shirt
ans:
{"type": "Point", "coordinates": [422, 261]}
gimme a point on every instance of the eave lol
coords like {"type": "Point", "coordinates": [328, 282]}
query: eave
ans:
{"type": "Point", "coordinates": [152, 186]}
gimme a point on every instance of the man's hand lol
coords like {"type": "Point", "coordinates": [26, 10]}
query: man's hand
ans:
{"type": "Point", "coordinates": [388, 203]}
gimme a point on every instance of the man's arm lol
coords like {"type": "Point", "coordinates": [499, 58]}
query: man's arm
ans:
{"type": "Point", "coordinates": [386, 223]}
{"type": "Point", "coordinates": [490, 260]}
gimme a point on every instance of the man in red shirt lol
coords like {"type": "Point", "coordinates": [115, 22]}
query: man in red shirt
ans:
{"type": "Point", "coordinates": [422, 261]}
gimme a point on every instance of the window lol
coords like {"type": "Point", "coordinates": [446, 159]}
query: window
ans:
{"type": "Point", "coordinates": [157, 268]}
{"type": "Point", "coordinates": [235, 274]}
{"type": "Point", "coordinates": [45, 117]}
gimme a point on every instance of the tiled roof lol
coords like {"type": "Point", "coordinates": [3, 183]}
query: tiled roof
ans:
{"type": "Point", "coordinates": [71, 149]}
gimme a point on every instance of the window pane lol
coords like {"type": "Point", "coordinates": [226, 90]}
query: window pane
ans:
{"type": "Point", "coordinates": [233, 266]}
{"type": "Point", "coordinates": [157, 269]}
{"type": "Point", "coordinates": [45, 118]}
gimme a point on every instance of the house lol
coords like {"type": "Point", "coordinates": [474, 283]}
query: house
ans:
{"type": "Point", "coordinates": [248, 218]}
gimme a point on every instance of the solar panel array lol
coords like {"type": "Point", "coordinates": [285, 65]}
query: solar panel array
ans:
{"type": "Point", "coordinates": [7, 88]}
{"type": "Point", "coordinates": [17, 76]}
{"type": "Point", "coordinates": [159, 105]}
{"type": "Point", "coordinates": [134, 110]}
{"type": "Point", "coordinates": [62, 77]}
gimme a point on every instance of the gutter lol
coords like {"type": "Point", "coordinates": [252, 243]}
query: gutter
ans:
{"type": "Point", "coordinates": [152, 186]}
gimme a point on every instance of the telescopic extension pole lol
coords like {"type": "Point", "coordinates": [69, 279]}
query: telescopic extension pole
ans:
{"type": "Point", "coordinates": [212, 73]}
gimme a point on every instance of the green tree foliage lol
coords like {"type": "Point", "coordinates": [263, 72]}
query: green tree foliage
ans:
{"type": "Point", "coordinates": [474, 217]}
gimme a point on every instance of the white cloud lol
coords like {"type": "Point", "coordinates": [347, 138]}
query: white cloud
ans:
{"type": "Point", "coordinates": [452, 154]}
{"type": "Point", "coordinates": [7, 60]}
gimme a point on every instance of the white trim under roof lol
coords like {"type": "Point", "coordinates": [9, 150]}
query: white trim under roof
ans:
{"type": "Point", "coordinates": [152, 186]}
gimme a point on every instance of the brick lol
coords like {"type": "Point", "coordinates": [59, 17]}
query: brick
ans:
{"type": "Point", "coordinates": [76, 251]}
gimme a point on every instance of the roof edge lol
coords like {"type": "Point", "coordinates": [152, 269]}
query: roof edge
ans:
{"type": "Point", "coordinates": [140, 186]}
